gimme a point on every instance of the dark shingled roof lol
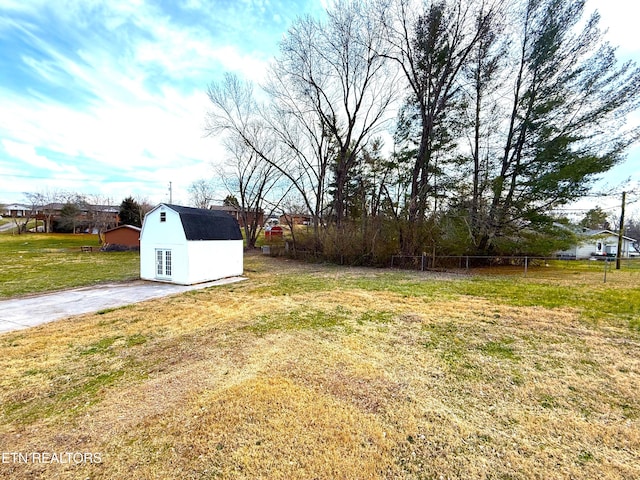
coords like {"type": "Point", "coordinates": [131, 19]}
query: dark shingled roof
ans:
{"type": "Point", "coordinates": [203, 224]}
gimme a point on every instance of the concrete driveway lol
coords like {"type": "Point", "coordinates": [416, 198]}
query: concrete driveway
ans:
{"type": "Point", "coordinates": [25, 312]}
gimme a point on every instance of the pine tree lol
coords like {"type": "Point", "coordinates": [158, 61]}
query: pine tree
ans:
{"type": "Point", "coordinates": [130, 212]}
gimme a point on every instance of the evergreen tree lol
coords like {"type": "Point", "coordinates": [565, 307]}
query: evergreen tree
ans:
{"type": "Point", "coordinates": [595, 218]}
{"type": "Point", "coordinates": [231, 201]}
{"type": "Point", "coordinates": [130, 212]}
{"type": "Point", "coordinates": [69, 215]}
{"type": "Point", "coordinates": [567, 101]}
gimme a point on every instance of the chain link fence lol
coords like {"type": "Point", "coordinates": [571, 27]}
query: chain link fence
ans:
{"type": "Point", "coordinates": [516, 265]}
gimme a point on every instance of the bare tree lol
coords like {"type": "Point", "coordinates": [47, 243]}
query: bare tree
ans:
{"type": "Point", "coordinates": [201, 193]}
{"type": "Point", "coordinates": [250, 171]}
{"type": "Point", "coordinates": [332, 81]}
{"type": "Point", "coordinates": [246, 175]}
{"type": "Point", "coordinates": [101, 214]}
{"type": "Point", "coordinates": [145, 207]}
{"type": "Point", "coordinates": [277, 136]}
{"type": "Point", "coordinates": [21, 222]}
{"type": "Point", "coordinates": [44, 205]}
{"type": "Point", "coordinates": [329, 93]}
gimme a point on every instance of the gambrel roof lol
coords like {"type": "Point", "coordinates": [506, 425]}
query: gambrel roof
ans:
{"type": "Point", "coordinates": [204, 224]}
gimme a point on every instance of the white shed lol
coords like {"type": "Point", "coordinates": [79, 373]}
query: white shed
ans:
{"type": "Point", "coordinates": [187, 245]}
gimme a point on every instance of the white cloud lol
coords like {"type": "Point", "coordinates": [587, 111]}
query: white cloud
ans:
{"type": "Point", "coordinates": [620, 18]}
{"type": "Point", "coordinates": [27, 153]}
{"type": "Point", "coordinates": [139, 116]}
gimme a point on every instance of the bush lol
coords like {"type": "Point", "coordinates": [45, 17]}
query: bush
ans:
{"type": "Point", "coordinates": [368, 243]}
{"type": "Point", "coordinates": [108, 247]}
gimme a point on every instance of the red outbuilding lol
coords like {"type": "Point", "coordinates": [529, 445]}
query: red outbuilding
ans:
{"type": "Point", "coordinates": [124, 235]}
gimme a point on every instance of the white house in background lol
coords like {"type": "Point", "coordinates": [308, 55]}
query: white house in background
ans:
{"type": "Point", "coordinates": [187, 245]}
{"type": "Point", "coordinates": [599, 243]}
{"type": "Point", "coordinates": [16, 210]}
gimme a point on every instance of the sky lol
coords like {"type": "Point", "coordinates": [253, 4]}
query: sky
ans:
{"type": "Point", "coordinates": [108, 97]}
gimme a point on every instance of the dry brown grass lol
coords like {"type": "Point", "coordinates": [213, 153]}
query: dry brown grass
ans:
{"type": "Point", "coordinates": [279, 378]}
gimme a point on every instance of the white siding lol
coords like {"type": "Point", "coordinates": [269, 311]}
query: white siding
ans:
{"type": "Point", "coordinates": [585, 250]}
{"type": "Point", "coordinates": [167, 235]}
{"type": "Point", "coordinates": [214, 259]}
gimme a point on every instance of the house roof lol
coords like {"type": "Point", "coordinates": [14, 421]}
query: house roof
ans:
{"type": "Point", "coordinates": [602, 231]}
{"type": "Point", "coordinates": [17, 206]}
{"type": "Point", "coordinates": [232, 209]}
{"type": "Point", "coordinates": [205, 224]}
{"type": "Point", "coordinates": [224, 208]}
{"type": "Point", "coordinates": [130, 227]}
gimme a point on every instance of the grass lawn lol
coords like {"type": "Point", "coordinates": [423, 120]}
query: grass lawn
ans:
{"type": "Point", "coordinates": [34, 263]}
{"type": "Point", "coordinates": [312, 371]}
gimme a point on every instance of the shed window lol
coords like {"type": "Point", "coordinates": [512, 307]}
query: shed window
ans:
{"type": "Point", "coordinates": [163, 216]}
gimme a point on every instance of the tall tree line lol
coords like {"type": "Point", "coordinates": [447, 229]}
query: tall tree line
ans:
{"type": "Point", "coordinates": [499, 110]}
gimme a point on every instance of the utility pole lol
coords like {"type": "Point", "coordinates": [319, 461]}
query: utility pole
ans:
{"type": "Point", "coordinates": [170, 193]}
{"type": "Point", "coordinates": [621, 231]}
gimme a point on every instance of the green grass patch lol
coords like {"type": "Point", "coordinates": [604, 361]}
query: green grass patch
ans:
{"type": "Point", "coordinates": [629, 411]}
{"type": "Point", "coordinates": [592, 301]}
{"type": "Point", "coordinates": [35, 263]}
{"type": "Point", "coordinates": [374, 316]}
{"type": "Point", "coordinates": [617, 303]}
{"type": "Point", "coordinates": [100, 346]}
{"type": "Point", "coordinates": [548, 401]}
{"type": "Point", "coordinates": [300, 320]}
{"type": "Point", "coordinates": [136, 339]}
{"type": "Point", "coordinates": [315, 319]}
{"type": "Point", "coordinates": [500, 349]}
{"type": "Point", "coordinates": [67, 399]}
{"type": "Point", "coordinates": [90, 388]}
{"type": "Point", "coordinates": [585, 456]}
{"type": "Point", "coordinates": [448, 344]}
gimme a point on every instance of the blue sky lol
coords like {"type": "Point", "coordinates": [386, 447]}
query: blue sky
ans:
{"type": "Point", "coordinates": [108, 97]}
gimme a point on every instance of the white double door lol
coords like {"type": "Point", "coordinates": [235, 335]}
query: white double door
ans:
{"type": "Point", "coordinates": [163, 263]}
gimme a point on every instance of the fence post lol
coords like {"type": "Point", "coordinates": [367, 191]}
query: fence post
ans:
{"type": "Point", "coordinates": [467, 262]}
{"type": "Point", "coordinates": [606, 263]}
{"type": "Point", "coordinates": [526, 265]}
{"type": "Point", "coordinates": [423, 255]}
